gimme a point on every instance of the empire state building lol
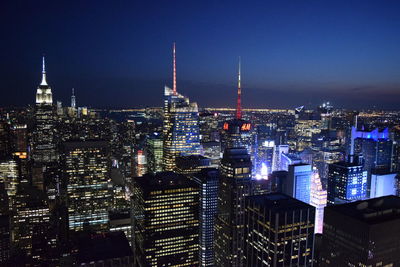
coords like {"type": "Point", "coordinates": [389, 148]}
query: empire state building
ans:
{"type": "Point", "coordinates": [43, 143]}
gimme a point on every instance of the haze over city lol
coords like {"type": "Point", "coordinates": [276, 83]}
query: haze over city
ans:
{"type": "Point", "coordinates": [118, 54]}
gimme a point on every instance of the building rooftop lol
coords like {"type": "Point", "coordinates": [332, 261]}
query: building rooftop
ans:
{"type": "Point", "coordinates": [162, 181]}
{"type": "Point", "coordinates": [371, 211]}
{"type": "Point", "coordinates": [96, 247]}
{"type": "Point", "coordinates": [276, 201]}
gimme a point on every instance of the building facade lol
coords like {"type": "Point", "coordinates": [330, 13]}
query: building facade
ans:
{"type": "Point", "coordinates": [279, 231]}
{"type": "Point", "coordinates": [362, 233]}
{"type": "Point", "coordinates": [207, 180]}
{"type": "Point", "coordinates": [235, 184]}
{"type": "Point", "coordinates": [88, 191]}
{"type": "Point", "coordinates": [165, 217]}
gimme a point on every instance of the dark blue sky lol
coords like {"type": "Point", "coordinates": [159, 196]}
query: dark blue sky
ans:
{"type": "Point", "coordinates": [118, 53]}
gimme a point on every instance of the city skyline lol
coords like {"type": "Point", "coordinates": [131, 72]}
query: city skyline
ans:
{"type": "Point", "coordinates": [294, 54]}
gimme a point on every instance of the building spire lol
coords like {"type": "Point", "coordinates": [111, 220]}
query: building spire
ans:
{"type": "Point", "coordinates": [174, 74]}
{"type": "Point", "coordinates": [239, 97]}
{"type": "Point", "coordinates": [73, 100]}
{"type": "Point", "coordinates": [43, 72]}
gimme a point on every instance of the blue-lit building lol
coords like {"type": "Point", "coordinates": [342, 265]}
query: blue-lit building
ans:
{"type": "Point", "coordinates": [375, 146]}
{"type": "Point", "coordinates": [299, 182]}
{"type": "Point", "coordinates": [208, 180]}
{"type": "Point", "coordinates": [181, 135]}
{"type": "Point", "coordinates": [347, 182]}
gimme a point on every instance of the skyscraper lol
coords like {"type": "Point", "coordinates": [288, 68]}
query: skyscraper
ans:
{"type": "Point", "coordinates": [44, 142]}
{"type": "Point", "coordinates": [318, 199]}
{"type": "Point", "coordinates": [279, 231]}
{"type": "Point", "coordinates": [154, 153]}
{"type": "Point", "coordinates": [207, 180]}
{"type": "Point", "coordinates": [165, 209]}
{"type": "Point", "coordinates": [362, 233]}
{"type": "Point", "coordinates": [239, 132]}
{"type": "Point", "coordinates": [181, 125]}
{"type": "Point", "coordinates": [235, 184]}
{"type": "Point", "coordinates": [347, 182]}
{"type": "Point", "coordinates": [87, 174]}
{"type": "Point", "coordinates": [31, 214]}
{"type": "Point", "coordinates": [73, 99]}
{"type": "Point", "coordinates": [299, 182]}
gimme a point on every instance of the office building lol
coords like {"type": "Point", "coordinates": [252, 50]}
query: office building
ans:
{"type": "Point", "coordinates": [377, 152]}
{"type": "Point", "coordinates": [279, 231]}
{"type": "Point", "coordinates": [207, 180]}
{"type": "Point", "coordinates": [31, 217]}
{"type": "Point", "coordinates": [347, 181]}
{"type": "Point", "coordinates": [9, 177]}
{"type": "Point", "coordinates": [276, 160]}
{"type": "Point", "coordinates": [190, 165]}
{"type": "Point", "coordinates": [140, 163]}
{"type": "Point", "coordinates": [105, 249]}
{"type": "Point", "coordinates": [318, 199]}
{"type": "Point", "coordinates": [235, 184]}
{"type": "Point", "coordinates": [154, 153]}
{"type": "Point", "coordinates": [181, 125]}
{"type": "Point", "coordinates": [89, 191]}
{"type": "Point", "coordinates": [122, 221]}
{"type": "Point", "coordinates": [382, 184]}
{"type": "Point", "coordinates": [165, 214]}
{"type": "Point", "coordinates": [362, 233]}
{"type": "Point", "coordinates": [5, 238]}
{"type": "Point", "coordinates": [299, 182]}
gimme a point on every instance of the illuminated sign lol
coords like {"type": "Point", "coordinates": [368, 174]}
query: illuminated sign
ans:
{"type": "Point", "coordinates": [246, 127]}
{"type": "Point", "coordinates": [226, 126]}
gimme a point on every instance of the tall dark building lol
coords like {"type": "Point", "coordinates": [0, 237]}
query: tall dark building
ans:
{"type": "Point", "coordinates": [279, 231]}
{"type": "Point", "coordinates": [362, 233]}
{"type": "Point", "coordinates": [31, 217]}
{"type": "Point", "coordinates": [235, 184]}
{"type": "Point", "coordinates": [239, 132]}
{"type": "Point", "coordinates": [5, 238]}
{"type": "Point", "coordinates": [207, 180]}
{"type": "Point", "coordinates": [87, 174]}
{"type": "Point", "coordinates": [165, 209]}
{"type": "Point", "coordinates": [347, 181]}
{"type": "Point", "coordinates": [44, 141]}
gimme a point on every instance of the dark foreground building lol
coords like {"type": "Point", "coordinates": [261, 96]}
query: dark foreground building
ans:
{"type": "Point", "coordinates": [235, 184]}
{"type": "Point", "coordinates": [105, 249]}
{"type": "Point", "coordinates": [279, 231]}
{"type": "Point", "coordinates": [165, 210]}
{"type": "Point", "coordinates": [362, 233]}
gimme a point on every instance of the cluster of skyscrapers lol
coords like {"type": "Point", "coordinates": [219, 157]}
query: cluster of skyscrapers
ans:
{"type": "Point", "coordinates": [179, 186]}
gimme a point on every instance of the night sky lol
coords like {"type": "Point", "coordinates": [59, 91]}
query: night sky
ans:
{"type": "Point", "coordinates": [119, 53]}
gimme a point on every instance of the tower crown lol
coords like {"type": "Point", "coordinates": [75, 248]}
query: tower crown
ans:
{"type": "Point", "coordinates": [44, 82]}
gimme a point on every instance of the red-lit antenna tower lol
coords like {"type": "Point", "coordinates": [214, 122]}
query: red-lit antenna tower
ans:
{"type": "Point", "coordinates": [239, 98]}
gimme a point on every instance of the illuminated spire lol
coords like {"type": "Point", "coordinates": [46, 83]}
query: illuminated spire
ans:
{"type": "Point", "coordinates": [174, 74]}
{"type": "Point", "coordinates": [239, 98]}
{"type": "Point", "coordinates": [73, 100]}
{"type": "Point", "coordinates": [43, 73]}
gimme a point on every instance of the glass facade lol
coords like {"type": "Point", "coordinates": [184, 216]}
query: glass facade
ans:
{"type": "Point", "coordinates": [181, 128]}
